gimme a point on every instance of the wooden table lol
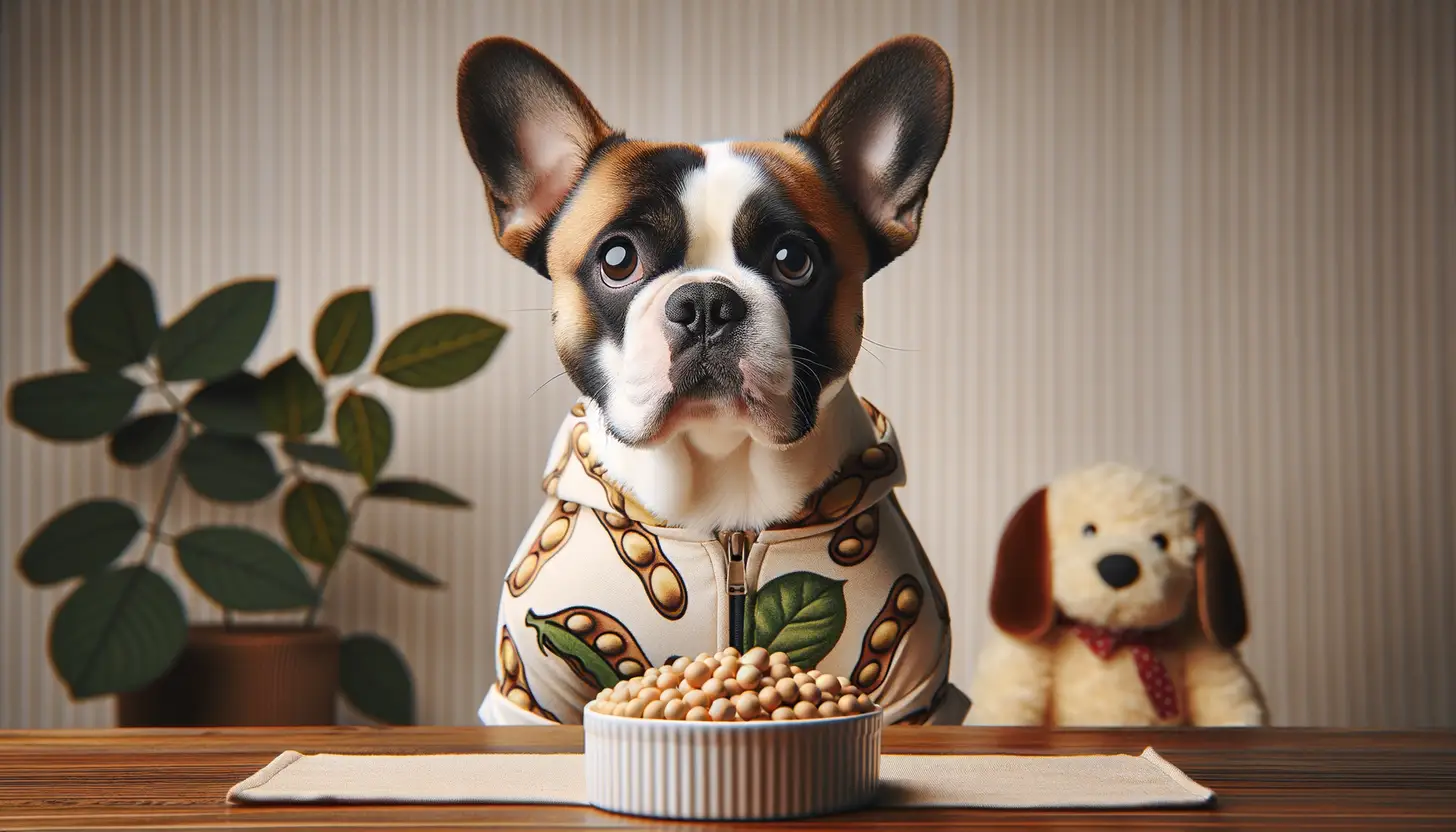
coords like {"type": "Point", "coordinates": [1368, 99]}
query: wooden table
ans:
{"type": "Point", "coordinates": [177, 779]}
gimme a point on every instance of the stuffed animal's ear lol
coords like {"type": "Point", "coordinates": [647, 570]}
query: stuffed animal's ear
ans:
{"type": "Point", "coordinates": [882, 129]}
{"type": "Point", "coordinates": [1220, 587]}
{"type": "Point", "coordinates": [529, 130]}
{"type": "Point", "coordinates": [1021, 590]}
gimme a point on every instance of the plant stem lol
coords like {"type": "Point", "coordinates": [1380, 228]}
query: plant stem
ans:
{"type": "Point", "coordinates": [159, 514]}
{"type": "Point", "coordinates": [318, 600]}
{"type": "Point", "coordinates": [328, 571]}
{"type": "Point", "coordinates": [176, 403]}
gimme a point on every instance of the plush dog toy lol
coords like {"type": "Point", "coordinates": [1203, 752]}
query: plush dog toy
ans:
{"type": "Point", "coordinates": [1118, 602]}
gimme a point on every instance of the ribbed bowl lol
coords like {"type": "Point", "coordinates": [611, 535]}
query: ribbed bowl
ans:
{"type": "Point", "coordinates": [732, 770]}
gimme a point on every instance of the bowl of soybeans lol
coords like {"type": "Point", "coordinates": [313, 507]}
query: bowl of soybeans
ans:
{"type": "Point", "coordinates": [730, 736]}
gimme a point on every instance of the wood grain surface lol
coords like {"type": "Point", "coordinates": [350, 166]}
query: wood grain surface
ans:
{"type": "Point", "coordinates": [177, 779]}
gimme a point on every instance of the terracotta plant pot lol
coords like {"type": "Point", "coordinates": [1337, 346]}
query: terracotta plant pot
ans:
{"type": "Point", "coordinates": [242, 676]}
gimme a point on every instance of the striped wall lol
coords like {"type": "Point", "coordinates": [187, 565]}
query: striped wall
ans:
{"type": "Point", "coordinates": [1216, 238]}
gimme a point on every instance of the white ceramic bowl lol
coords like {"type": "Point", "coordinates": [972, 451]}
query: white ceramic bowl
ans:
{"type": "Point", "coordinates": [732, 770]}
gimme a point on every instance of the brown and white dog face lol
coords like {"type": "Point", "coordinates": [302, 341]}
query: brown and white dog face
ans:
{"type": "Point", "coordinates": [716, 283]}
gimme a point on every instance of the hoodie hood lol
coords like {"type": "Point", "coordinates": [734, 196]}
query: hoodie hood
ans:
{"type": "Point", "coordinates": [865, 477]}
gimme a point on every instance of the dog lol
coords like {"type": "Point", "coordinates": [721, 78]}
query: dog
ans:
{"type": "Point", "coordinates": [1118, 601]}
{"type": "Point", "coordinates": [718, 483]}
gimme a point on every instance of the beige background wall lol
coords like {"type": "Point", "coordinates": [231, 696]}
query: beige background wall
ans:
{"type": "Point", "coordinates": [1213, 238]}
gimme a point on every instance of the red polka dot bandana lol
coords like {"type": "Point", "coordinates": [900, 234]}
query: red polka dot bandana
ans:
{"type": "Point", "coordinates": [1159, 686]}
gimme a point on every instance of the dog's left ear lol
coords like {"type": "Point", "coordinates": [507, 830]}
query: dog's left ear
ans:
{"type": "Point", "coordinates": [882, 129]}
{"type": "Point", "coordinates": [529, 130]}
{"type": "Point", "coordinates": [1220, 587]}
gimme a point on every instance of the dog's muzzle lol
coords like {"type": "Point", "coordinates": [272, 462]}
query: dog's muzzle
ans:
{"type": "Point", "coordinates": [703, 324]}
{"type": "Point", "coordinates": [707, 312]}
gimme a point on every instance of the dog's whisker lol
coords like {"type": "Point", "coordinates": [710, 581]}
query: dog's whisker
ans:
{"type": "Point", "coordinates": [801, 409]}
{"type": "Point", "coordinates": [887, 346]}
{"type": "Point", "coordinates": [807, 362]}
{"type": "Point", "coordinates": [867, 349]}
{"type": "Point", "coordinates": [544, 383]}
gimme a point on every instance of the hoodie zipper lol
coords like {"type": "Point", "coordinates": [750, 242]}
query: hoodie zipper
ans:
{"type": "Point", "coordinates": [736, 544]}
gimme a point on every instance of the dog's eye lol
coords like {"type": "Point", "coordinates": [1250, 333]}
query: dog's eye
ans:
{"type": "Point", "coordinates": [1160, 541]}
{"type": "Point", "coordinates": [1089, 530]}
{"type": "Point", "coordinates": [792, 262]}
{"type": "Point", "coordinates": [618, 262]}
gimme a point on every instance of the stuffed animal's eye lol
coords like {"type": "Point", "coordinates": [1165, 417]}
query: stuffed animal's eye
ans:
{"type": "Point", "coordinates": [792, 262]}
{"type": "Point", "coordinates": [618, 262]}
{"type": "Point", "coordinates": [1089, 530]}
{"type": "Point", "coordinates": [1160, 541]}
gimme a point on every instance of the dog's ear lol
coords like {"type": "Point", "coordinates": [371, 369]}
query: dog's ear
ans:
{"type": "Point", "coordinates": [529, 130]}
{"type": "Point", "coordinates": [1220, 587]}
{"type": "Point", "coordinates": [882, 129]}
{"type": "Point", "coordinates": [1021, 590]}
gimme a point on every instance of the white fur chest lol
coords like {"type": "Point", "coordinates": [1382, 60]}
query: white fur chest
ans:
{"type": "Point", "coordinates": [1090, 691]}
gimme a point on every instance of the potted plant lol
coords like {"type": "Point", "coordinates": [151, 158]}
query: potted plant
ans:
{"type": "Point", "coordinates": [232, 437]}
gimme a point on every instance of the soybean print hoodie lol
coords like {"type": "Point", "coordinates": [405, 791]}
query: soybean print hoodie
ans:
{"type": "Point", "coordinates": [599, 590]}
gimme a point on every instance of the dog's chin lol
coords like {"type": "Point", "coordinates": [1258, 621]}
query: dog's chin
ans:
{"type": "Point", "coordinates": [737, 411]}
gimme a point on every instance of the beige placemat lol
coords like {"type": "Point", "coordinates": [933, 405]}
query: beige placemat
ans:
{"type": "Point", "coordinates": [976, 781]}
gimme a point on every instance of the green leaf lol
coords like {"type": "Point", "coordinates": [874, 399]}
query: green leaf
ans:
{"type": "Point", "coordinates": [344, 332]}
{"type": "Point", "coordinates": [366, 435]}
{"type": "Point", "coordinates": [440, 350]}
{"type": "Point", "coordinates": [396, 566]}
{"type": "Point", "coordinates": [232, 405]}
{"type": "Point", "coordinates": [229, 469]}
{"type": "Point", "coordinates": [316, 521]}
{"type": "Point", "coordinates": [73, 406]}
{"type": "Point", "coordinates": [84, 538]}
{"type": "Point", "coordinates": [293, 403]}
{"type": "Point", "coordinates": [566, 645]}
{"type": "Point", "coordinates": [324, 456]}
{"type": "Point", "coordinates": [801, 614]}
{"type": "Point", "coordinates": [417, 491]}
{"type": "Point", "coordinates": [375, 679]}
{"type": "Point", "coordinates": [114, 322]}
{"type": "Point", "coordinates": [118, 632]}
{"type": "Point", "coordinates": [243, 570]}
{"type": "Point", "coordinates": [140, 441]}
{"type": "Point", "coordinates": [215, 337]}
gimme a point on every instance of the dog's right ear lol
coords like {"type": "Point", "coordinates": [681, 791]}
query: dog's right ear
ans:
{"type": "Point", "coordinates": [882, 128]}
{"type": "Point", "coordinates": [529, 130]}
{"type": "Point", "coordinates": [1021, 590]}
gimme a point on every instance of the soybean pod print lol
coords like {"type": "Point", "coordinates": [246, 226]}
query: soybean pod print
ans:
{"type": "Point", "coordinates": [641, 552]}
{"type": "Point", "coordinates": [898, 615]}
{"type": "Point", "coordinates": [513, 685]}
{"type": "Point", "coordinates": [553, 477]}
{"type": "Point", "coordinates": [620, 501]}
{"type": "Point", "coordinates": [838, 497]}
{"type": "Point", "coordinates": [554, 534]}
{"type": "Point", "coordinates": [855, 539]}
{"type": "Point", "coordinates": [598, 648]}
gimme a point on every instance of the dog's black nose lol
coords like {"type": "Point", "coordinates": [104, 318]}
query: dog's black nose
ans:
{"type": "Point", "coordinates": [1118, 570]}
{"type": "Point", "coordinates": [708, 311]}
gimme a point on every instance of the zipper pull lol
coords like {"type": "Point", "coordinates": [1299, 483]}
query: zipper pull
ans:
{"type": "Point", "coordinates": [737, 546]}
{"type": "Point", "coordinates": [737, 555]}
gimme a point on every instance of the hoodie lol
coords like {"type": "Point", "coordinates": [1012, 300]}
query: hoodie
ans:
{"type": "Point", "coordinates": [600, 590]}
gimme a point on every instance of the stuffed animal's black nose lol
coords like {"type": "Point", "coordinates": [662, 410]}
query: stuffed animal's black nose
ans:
{"type": "Point", "coordinates": [1118, 570]}
{"type": "Point", "coordinates": [708, 311]}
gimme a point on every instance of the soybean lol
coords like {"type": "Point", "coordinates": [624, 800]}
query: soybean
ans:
{"type": "Point", "coordinates": [754, 686]}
